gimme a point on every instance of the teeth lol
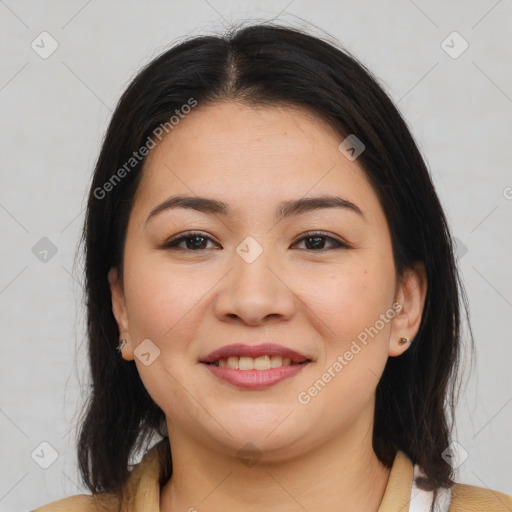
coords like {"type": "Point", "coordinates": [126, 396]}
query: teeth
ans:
{"type": "Point", "coordinates": [233, 362]}
{"type": "Point", "coordinates": [276, 362]}
{"type": "Point", "coordinates": [246, 363]}
{"type": "Point", "coordinates": [262, 363]}
{"type": "Point", "coordinates": [254, 363]}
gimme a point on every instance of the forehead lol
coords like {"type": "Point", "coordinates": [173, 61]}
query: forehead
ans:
{"type": "Point", "coordinates": [248, 155]}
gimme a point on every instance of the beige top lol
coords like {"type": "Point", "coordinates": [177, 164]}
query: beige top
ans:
{"type": "Point", "coordinates": [400, 494]}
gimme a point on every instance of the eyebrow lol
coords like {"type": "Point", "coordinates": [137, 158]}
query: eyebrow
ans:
{"type": "Point", "coordinates": [284, 210]}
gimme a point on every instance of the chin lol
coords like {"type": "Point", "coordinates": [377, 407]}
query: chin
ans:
{"type": "Point", "coordinates": [253, 443]}
{"type": "Point", "coordinates": [267, 428]}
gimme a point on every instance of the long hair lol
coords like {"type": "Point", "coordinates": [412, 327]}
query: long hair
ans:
{"type": "Point", "coordinates": [265, 64]}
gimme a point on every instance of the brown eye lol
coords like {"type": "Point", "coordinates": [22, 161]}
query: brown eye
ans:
{"type": "Point", "coordinates": [195, 242]}
{"type": "Point", "coordinates": [317, 241]}
{"type": "Point", "coordinates": [191, 241]}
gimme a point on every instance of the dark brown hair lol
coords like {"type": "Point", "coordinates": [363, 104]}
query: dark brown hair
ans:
{"type": "Point", "coordinates": [266, 64]}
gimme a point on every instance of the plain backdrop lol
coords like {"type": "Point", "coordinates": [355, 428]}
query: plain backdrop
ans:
{"type": "Point", "coordinates": [54, 112]}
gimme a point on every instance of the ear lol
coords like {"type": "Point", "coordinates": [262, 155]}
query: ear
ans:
{"type": "Point", "coordinates": [409, 300]}
{"type": "Point", "coordinates": [120, 313]}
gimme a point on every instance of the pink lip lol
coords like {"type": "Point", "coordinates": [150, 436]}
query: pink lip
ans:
{"type": "Point", "coordinates": [255, 379]}
{"type": "Point", "coordinates": [264, 349]}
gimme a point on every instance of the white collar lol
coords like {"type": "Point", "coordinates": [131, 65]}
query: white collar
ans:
{"type": "Point", "coordinates": [421, 501]}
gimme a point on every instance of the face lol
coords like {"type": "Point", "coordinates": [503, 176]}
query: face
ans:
{"type": "Point", "coordinates": [305, 292]}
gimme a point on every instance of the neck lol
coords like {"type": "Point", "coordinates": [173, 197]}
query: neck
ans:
{"type": "Point", "coordinates": [341, 475]}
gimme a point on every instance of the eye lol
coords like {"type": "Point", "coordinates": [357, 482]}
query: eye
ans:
{"type": "Point", "coordinates": [194, 241]}
{"type": "Point", "coordinates": [197, 241]}
{"type": "Point", "coordinates": [316, 241]}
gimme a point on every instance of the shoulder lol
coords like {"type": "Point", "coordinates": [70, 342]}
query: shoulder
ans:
{"type": "Point", "coordinates": [82, 503]}
{"type": "Point", "coordinates": [470, 498]}
{"type": "Point", "coordinates": [78, 503]}
{"type": "Point", "coordinates": [141, 486]}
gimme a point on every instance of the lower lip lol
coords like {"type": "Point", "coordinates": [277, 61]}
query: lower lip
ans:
{"type": "Point", "coordinates": [255, 379]}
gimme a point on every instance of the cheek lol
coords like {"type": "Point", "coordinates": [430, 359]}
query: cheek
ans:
{"type": "Point", "coordinates": [164, 306]}
{"type": "Point", "coordinates": [351, 299]}
{"type": "Point", "coordinates": [350, 305]}
{"type": "Point", "coordinates": [163, 301]}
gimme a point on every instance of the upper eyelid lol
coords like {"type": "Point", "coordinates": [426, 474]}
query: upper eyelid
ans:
{"type": "Point", "coordinates": [190, 234]}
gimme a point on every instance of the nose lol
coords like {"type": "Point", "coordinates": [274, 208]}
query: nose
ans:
{"type": "Point", "coordinates": [255, 293]}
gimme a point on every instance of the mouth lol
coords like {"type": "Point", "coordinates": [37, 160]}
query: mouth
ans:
{"type": "Point", "coordinates": [255, 366]}
{"type": "Point", "coordinates": [260, 363]}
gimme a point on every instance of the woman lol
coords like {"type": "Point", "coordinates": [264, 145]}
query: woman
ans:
{"type": "Point", "coordinates": [265, 249]}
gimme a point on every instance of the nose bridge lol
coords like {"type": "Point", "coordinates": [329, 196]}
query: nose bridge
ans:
{"type": "Point", "coordinates": [254, 289]}
{"type": "Point", "coordinates": [252, 266]}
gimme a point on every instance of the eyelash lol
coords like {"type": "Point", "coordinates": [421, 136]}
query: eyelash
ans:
{"type": "Point", "coordinates": [174, 242]}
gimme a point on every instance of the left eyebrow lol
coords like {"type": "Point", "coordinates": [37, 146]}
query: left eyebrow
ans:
{"type": "Point", "coordinates": [284, 210]}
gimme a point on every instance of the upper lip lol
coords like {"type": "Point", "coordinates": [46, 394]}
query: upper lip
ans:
{"type": "Point", "coordinates": [263, 349]}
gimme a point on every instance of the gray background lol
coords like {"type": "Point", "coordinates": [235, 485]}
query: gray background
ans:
{"type": "Point", "coordinates": [54, 113]}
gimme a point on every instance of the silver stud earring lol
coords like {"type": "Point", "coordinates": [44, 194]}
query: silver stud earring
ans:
{"type": "Point", "coordinates": [119, 348]}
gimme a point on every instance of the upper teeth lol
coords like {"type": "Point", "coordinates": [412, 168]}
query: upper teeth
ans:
{"type": "Point", "coordinates": [254, 363]}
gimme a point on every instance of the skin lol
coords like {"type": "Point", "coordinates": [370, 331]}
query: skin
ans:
{"type": "Point", "coordinates": [190, 302]}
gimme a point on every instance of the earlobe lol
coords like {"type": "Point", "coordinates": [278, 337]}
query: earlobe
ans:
{"type": "Point", "coordinates": [410, 294]}
{"type": "Point", "coordinates": [125, 347]}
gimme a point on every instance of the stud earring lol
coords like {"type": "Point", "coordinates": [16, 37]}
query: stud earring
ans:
{"type": "Point", "coordinates": [403, 340]}
{"type": "Point", "coordinates": [119, 347]}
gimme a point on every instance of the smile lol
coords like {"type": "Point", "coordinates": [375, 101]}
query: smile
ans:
{"type": "Point", "coordinates": [254, 363]}
{"type": "Point", "coordinates": [256, 366]}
